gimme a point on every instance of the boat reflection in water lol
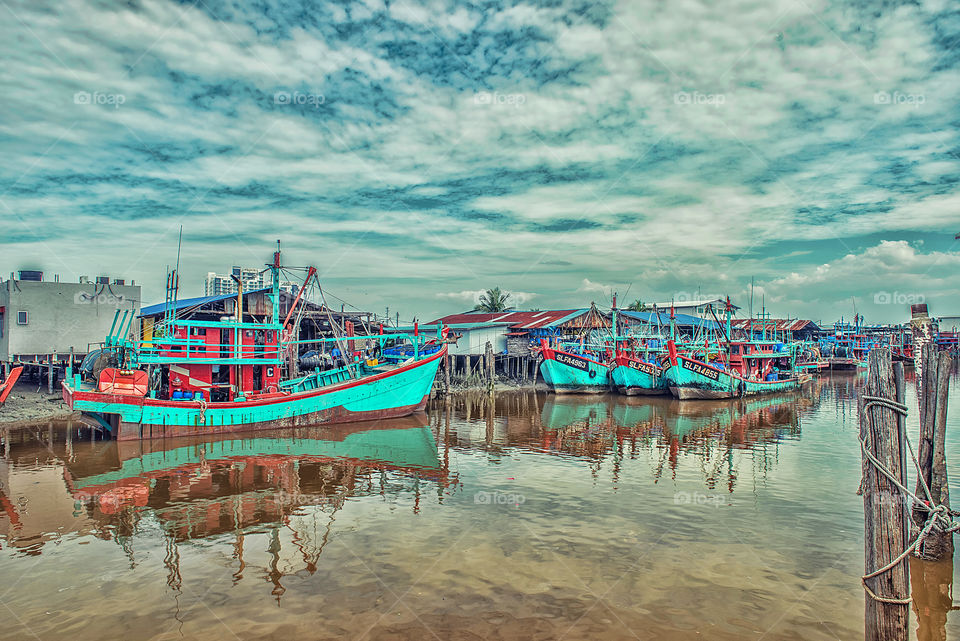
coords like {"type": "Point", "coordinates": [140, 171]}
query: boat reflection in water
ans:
{"type": "Point", "coordinates": [289, 486]}
{"type": "Point", "coordinates": [622, 427]}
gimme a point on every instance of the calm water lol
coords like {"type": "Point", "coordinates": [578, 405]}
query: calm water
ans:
{"type": "Point", "coordinates": [527, 517]}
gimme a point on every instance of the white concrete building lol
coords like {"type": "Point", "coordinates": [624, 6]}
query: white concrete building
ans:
{"type": "Point", "coordinates": [40, 317]}
{"type": "Point", "coordinates": [218, 284]}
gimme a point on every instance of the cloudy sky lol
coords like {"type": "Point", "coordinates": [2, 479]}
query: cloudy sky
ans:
{"type": "Point", "coordinates": [419, 152]}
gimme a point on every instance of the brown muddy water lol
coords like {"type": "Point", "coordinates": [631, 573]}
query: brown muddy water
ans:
{"type": "Point", "coordinates": [528, 517]}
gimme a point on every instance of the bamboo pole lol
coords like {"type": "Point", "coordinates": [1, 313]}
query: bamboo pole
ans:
{"type": "Point", "coordinates": [884, 508]}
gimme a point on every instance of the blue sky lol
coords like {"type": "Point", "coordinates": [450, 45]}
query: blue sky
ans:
{"type": "Point", "coordinates": [420, 152]}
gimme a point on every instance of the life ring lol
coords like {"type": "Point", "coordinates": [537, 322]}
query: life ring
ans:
{"type": "Point", "coordinates": [270, 389]}
{"type": "Point", "coordinates": [593, 373]}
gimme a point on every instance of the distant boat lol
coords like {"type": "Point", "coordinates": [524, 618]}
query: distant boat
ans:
{"type": "Point", "coordinates": [212, 377]}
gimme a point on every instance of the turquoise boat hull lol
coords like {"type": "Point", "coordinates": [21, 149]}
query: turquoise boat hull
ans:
{"type": "Point", "coordinates": [637, 378]}
{"type": "Point", "coordinates": [387, 394]}
{"type": "Point", "coordinates": [567, 373]}
{"type": "Point", "coordinates": [692, 379]}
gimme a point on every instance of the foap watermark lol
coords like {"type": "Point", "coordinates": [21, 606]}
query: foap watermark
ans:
{"type": "Point", "coordinates": [499, 498]}
{"type": "Point", "coordinates": [299, 98]}
{"type": "Point", "coordinates": [103, 298]}
{"type": "Point", "coordinates": [689, 297]}
{"type": "Point", "coordinates": [898, 298]}
{"type": "Point", "coordinates": [699, 98]}
{"type": "Point", "coordinates": [898, 98]}
{"type": "Point", "coordinates": [515, 100]}
{"type": "Point", "coordinates": [101, 98]}
{"type": "Point", "coordinates": [696, 498]}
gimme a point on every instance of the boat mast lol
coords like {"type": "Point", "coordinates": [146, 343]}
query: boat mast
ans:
{"type": "Point", "coordinates": [275, 269]}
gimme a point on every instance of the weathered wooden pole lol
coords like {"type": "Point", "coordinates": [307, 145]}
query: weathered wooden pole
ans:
{"type": "Point", "coordinates": [488, 374]}
{"type": "Point", "coordinates": [932, 399]}
{"type": "Point", "coordinates": [883, 434]}
{"type": "Point", "coordinates": [446, 372]}
{"type": "Point", "coordinates": [50, 373]}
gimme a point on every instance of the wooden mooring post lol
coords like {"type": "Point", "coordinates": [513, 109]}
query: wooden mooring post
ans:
{"type": "Point", "coordinates": [447, 361]}
{"type": "Point", "coordinates": [883, 434]}
{"type": "Point", "coordinates": [933, 379]}
{"type": "Point", "coordinates": [488, 373]}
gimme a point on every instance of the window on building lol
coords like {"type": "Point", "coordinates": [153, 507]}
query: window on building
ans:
{"type": "Point", "coordinates": [21, 318]}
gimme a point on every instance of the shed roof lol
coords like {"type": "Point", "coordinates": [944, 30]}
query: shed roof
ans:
{"type": "Point", "coordinates": [522, 320]}
{"type": "Point", "coordinates": [184, 303]}
{"type": "Point", "coordinates": [781, 324]}
{"type": "Point", "coordinates": [689, 303]}
{"type": "Point", "coordinates": [683, 320]}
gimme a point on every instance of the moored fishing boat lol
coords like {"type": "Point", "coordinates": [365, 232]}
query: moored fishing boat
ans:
{"type": "Point", "coordinates": [745, 368]}
{"type": "Point", "coordinates": [689, 378]}
{"type": "Point", "coordinates": [210, 377]}
{"type": "Point", "coordinates": [634, 376]}
{"type": "Point", "coordinates": [566, 371]}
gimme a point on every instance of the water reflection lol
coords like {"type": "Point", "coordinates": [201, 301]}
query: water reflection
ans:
{"type": "Point", "coordinates": [609, 542]}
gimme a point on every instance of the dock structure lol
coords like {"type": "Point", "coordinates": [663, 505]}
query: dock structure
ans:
{"type": "Point", "coordinates": [46, 325]}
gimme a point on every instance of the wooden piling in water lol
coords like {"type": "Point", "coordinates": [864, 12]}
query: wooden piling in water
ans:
{"type": "Point", "coordinates": [446, 373]}
{"type": "Point", "coordinates": [932, 387]}
{"type": "Point", "coordinates": [488, 362]}
{"type": "Point", "coordinates": [883, 431]}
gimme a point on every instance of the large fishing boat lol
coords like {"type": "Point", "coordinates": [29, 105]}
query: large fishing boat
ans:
{"type": "Point", "coordinates": [207, 377]}
{"type": "Point", "coordinates": [742, 368]}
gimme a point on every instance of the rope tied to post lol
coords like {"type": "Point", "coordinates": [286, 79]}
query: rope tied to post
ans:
{"type": "Point", "coordinates": [937, 514]}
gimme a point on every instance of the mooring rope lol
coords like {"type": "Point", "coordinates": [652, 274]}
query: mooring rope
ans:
{"type": "Point", "coordinates": [937, 513]}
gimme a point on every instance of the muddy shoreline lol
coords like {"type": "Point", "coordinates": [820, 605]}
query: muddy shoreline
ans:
{"type": "Point", "coordinates": [27, 404]}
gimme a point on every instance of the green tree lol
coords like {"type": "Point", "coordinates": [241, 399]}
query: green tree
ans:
{"type": "Point", "coordinates": [635, 306]}
{"type": "Point", "coordinates": [492, 300]}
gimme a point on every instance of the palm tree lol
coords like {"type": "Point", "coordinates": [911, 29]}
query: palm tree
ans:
{"type": "Point", "coordinates": [635, 306]}
{"type": "Point", "coordinates": [492, 300]}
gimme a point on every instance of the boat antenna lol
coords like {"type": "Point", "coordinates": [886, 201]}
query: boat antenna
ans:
{"type": "Point", "coordinates": [179, 242]}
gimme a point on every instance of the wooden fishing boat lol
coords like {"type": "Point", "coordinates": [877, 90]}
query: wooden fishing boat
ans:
{"type": "Point", "coordinates": [745, 368]}
{"type": "Point", "coordinates": [211, 377]}
{"type": "Point", "coordinates": [689, 378]}
{"type": "Point", "coordinates": [635, 376]}
{"type": "Point", "coordinates": [566, 371]}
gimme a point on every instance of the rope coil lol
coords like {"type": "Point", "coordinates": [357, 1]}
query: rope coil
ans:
{"type": "Point", "coordinates": [938, 514]}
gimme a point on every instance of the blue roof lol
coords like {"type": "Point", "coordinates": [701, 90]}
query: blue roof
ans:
{"type": "Point", "coordinates": [183, 303]}
{"type": "Point", "coordinates": [684, 320]}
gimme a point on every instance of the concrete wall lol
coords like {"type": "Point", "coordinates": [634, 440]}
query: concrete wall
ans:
{"type": "Point", "coordinates": [474, 341]}
{"type": "Point", "coordinates": [60, 315]}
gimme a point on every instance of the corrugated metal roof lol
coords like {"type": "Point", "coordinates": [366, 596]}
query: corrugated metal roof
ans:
{"type": "Point", "coordinates": [516, 320]}
{"type": "Point", "coordinates": [781, 324]}
{"type": "Point", "coordinates": [683, 304]}
{"type": "Point", "coordinates": [183, 303]}
{"type": "Point", "coordinates": [683, 320]}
